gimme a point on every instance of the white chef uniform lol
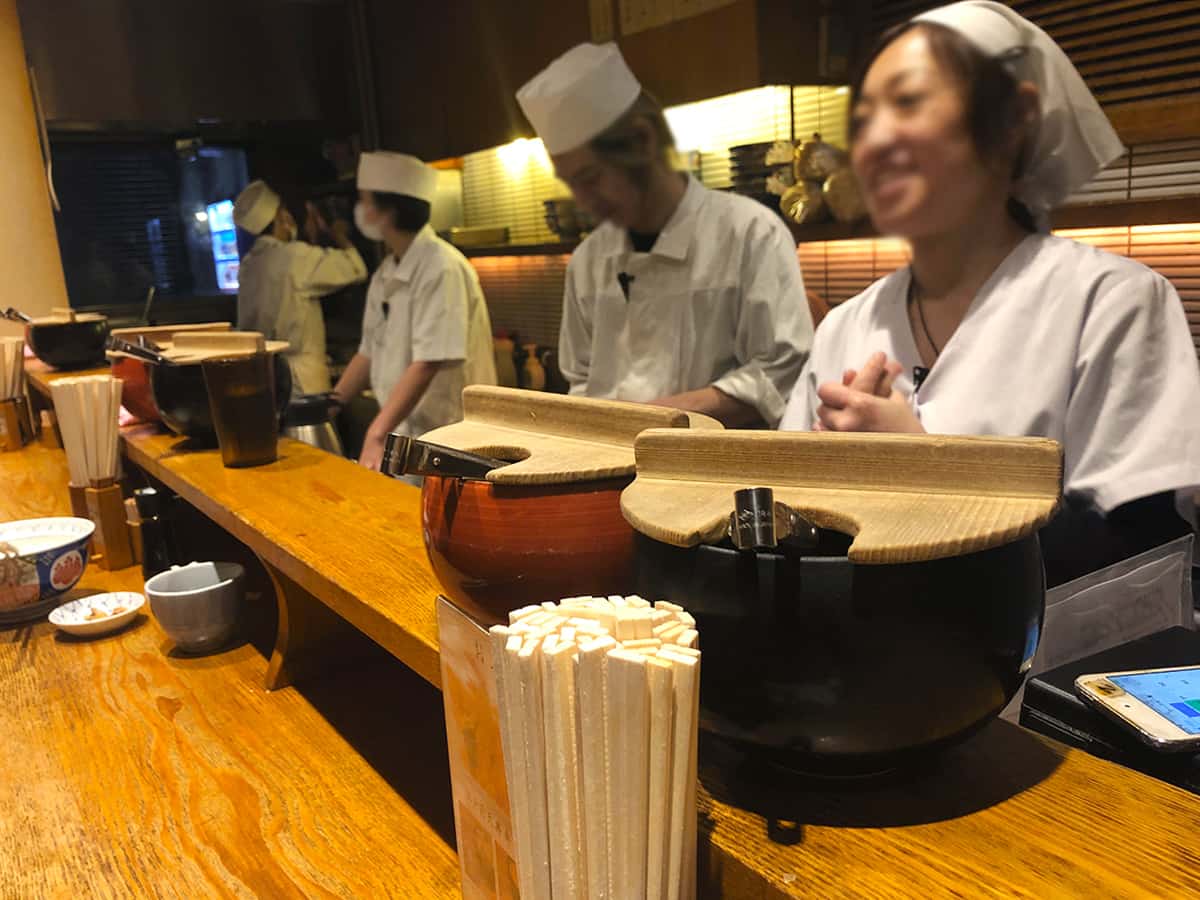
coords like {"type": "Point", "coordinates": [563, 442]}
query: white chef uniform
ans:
{"type": "Point", "coordinates": [426, 306]}
{"type": "Point", "coordinates": [719, 300]}
{"type": "Point", "coordinates": [279, 293]}
{"type": "Point", "coordinates": [1063, 341]}
{"type": "Point", "coordinates": [280, 285]}
{"type": "Point", "coordinates": [435, 312]}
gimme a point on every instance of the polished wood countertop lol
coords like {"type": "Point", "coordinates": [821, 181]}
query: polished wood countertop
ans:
{"type": "Point", "coordinates": [1008, 813]}
{"type": "Point", "coordinates": [133, 771]}
{"type": "Point", "coordinates": [350, 536]}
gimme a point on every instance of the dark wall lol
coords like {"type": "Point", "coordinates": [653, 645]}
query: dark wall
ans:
{"type": "Point", "coordinates": [177, 62]}
{"type": "Point", "coordinates": [446, 72]}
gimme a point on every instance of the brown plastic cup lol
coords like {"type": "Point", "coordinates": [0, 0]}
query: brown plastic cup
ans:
{"type": "Point", "coordinates": [241, 395]}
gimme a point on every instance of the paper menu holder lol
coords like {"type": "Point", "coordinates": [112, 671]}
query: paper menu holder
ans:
{"type": "Point", "coordinates": [482, 819]}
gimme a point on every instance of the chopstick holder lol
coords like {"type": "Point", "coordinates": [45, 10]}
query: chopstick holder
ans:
{"type": "Point", "coordinates": [106, 508]}
{"type": "Point", "coordinates": [15, 431]}
{"type": "Point", "coordinates": [79, 507]}
{"type": "Point", "coordinates": [48, 431]}
{"type": "Point", "coordinates": [133, 520]}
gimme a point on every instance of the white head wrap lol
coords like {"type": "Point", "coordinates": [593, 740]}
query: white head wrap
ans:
{"type": "Point", "coordinates": [578, 96]}
{"type": "Point", "coordinates": [1075, 139]}
{"type": "Point", "coordinates": [255, 207]}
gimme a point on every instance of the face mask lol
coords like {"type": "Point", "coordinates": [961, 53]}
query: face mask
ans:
{"type": "Point", "coordinates": [370, 230]}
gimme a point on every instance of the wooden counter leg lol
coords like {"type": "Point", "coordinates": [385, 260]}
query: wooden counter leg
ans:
{"type": "Point", "coordinates": [310, 637]}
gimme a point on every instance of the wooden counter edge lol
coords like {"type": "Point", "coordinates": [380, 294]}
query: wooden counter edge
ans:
{"type": "Point", "coordinates": [409, 648]}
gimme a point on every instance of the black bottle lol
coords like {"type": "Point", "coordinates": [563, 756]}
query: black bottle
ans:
{"type": "Point", "coordinates": [158, 553]}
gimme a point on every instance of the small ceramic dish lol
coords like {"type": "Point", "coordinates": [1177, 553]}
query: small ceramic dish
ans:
{"type": "Point", "coordinates": [98, 614]}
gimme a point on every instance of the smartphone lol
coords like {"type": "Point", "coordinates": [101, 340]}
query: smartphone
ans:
{"type": "Point", "coordinates": [1160, 706]}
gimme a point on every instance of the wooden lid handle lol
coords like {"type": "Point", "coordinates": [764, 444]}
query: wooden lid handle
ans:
{"type": "Point", "coordinates": [554, 439]}
{"type": "Point", "coordinates": [904, 498]}
{"type": "Point", "coordinates": [222, 341]}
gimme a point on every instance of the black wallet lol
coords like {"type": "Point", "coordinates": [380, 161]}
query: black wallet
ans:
{"type": "Point", "coordinates": [1051, 706]}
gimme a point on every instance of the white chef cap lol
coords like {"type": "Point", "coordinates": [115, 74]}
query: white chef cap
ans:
{"type": "Point", "coordinates": [255, 207]}
{"type": "Point", "coordinates": [397, 173]}
{"type": "Point", "coordinates": [578, 96]}
{"type": "Point", "coordinates": [1075, 139]}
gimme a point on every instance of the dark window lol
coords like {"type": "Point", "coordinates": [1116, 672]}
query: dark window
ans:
{"type": "Point", "coordinates": [135, 214]}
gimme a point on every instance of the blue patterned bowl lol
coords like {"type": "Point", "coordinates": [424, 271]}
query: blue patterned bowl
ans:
{"type": "Point", "coordinates": [40, 560]}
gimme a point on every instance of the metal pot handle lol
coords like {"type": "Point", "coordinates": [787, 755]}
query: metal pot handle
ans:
{"type": "Point", "coordinates": [403, 455]}
{"type": "Point", "coordinates": [759, 523]}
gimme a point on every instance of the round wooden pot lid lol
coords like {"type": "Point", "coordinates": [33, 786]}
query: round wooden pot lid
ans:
{"type": "Point", "coordinates": [903, 498]}
{"type": "Point", "coordinates": [555, 439]}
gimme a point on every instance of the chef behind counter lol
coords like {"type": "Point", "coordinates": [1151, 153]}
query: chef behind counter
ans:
{"type": "Point", "coordinates": [684, 296]}
{"type": "Point", "coordinates": [426, 331]}
{"type": "Point", "coordinates": [282, 281]}
{"type": "Point", "coordinates": [969, 126]}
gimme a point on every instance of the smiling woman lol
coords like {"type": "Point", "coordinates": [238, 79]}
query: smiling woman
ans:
{"type": "Point", "coordinates": [974, 102]}
{"type": "Point", "coordinates": [970, 125]}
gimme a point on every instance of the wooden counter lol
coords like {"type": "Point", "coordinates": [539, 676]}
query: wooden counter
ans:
{"type": "Point", "coordinates": [131, 770]}
{"type": "Point", "coordinates": [1006, 814]}
{"type": "Point", "coordinates": [325, 527]}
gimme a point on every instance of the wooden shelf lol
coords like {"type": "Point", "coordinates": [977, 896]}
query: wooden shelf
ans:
{"type": "Point", "coordinates": [1164, 211]}
{"type": "Point", "coordinates": [832, 231]}
{"type": "Point", "coordinates": [566, 247]}
{"type": "Point", "coordinates": [1158, 211]}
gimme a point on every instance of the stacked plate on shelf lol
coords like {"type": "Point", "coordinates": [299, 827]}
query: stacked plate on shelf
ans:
{"type": "Point", "coordinates": [763, 170]}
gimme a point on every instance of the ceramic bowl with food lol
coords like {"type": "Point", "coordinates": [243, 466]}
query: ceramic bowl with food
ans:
{"type": "Point", "coordinates": [97, 614]}
{"type": "Point", "coordinates": [40, 560]}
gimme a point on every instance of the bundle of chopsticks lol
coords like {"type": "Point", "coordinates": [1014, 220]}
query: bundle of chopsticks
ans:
{"type": "Point", "coordinates": [598, 703]}
{"type": "Point", "coordinates": [87, 408]}
{"type": "Point", "coordinates": [12, 367]}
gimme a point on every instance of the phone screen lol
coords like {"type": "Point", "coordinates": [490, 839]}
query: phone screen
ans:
{"type": "Point", "coordinates": [1173, 695]}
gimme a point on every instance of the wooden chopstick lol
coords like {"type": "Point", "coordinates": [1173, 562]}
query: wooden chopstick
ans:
{"type": "Point", "coordinates": [568, 868]}
{"type": "Point", "coordinates": [660, 672]}
{"type": "Point", "coordinates": [599, 740]}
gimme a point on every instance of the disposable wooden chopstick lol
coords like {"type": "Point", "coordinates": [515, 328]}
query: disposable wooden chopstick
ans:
{"type": "Point", "coordinates": [70, 423]}
{"type": "Point", "coordinates": [87, 409]}
{"type": "Point", "coordinates": [568, 869]}
{"type": "Point", "coordinates": [659, 763]}
{"type": "Point", "coordinates": [11, 367]}
{"type": "Point", "coordinates": [114, 412]}
{"type": "Point", "coordinates": [532, 736]}
{"type": "Point", "coordinates": [629, 744]}
{"type": "Point", "coordinates": [505, 647]}
{"type": "Point", "coordinates": [592, 705]}
{"type": "Point", "coordinates": [681, 849]}
{"type": "Point", "coordinates": [610, 786]}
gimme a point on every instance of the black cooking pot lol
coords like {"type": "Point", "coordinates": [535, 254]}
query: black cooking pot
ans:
{"type": "Point", "coordinates": [830, 667]}
{"type": "Point", "coordinates": [69, 344]}
{"type": "Point", "coordinates": [182, 399]}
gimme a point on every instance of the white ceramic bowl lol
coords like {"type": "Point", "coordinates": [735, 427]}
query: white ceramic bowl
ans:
{"type": "Point", "coordinates": [197, 605]}
{"type": "Point", "coordinates": [50, 556]}
{"type": "Point", "coordinates": [98, 614]}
